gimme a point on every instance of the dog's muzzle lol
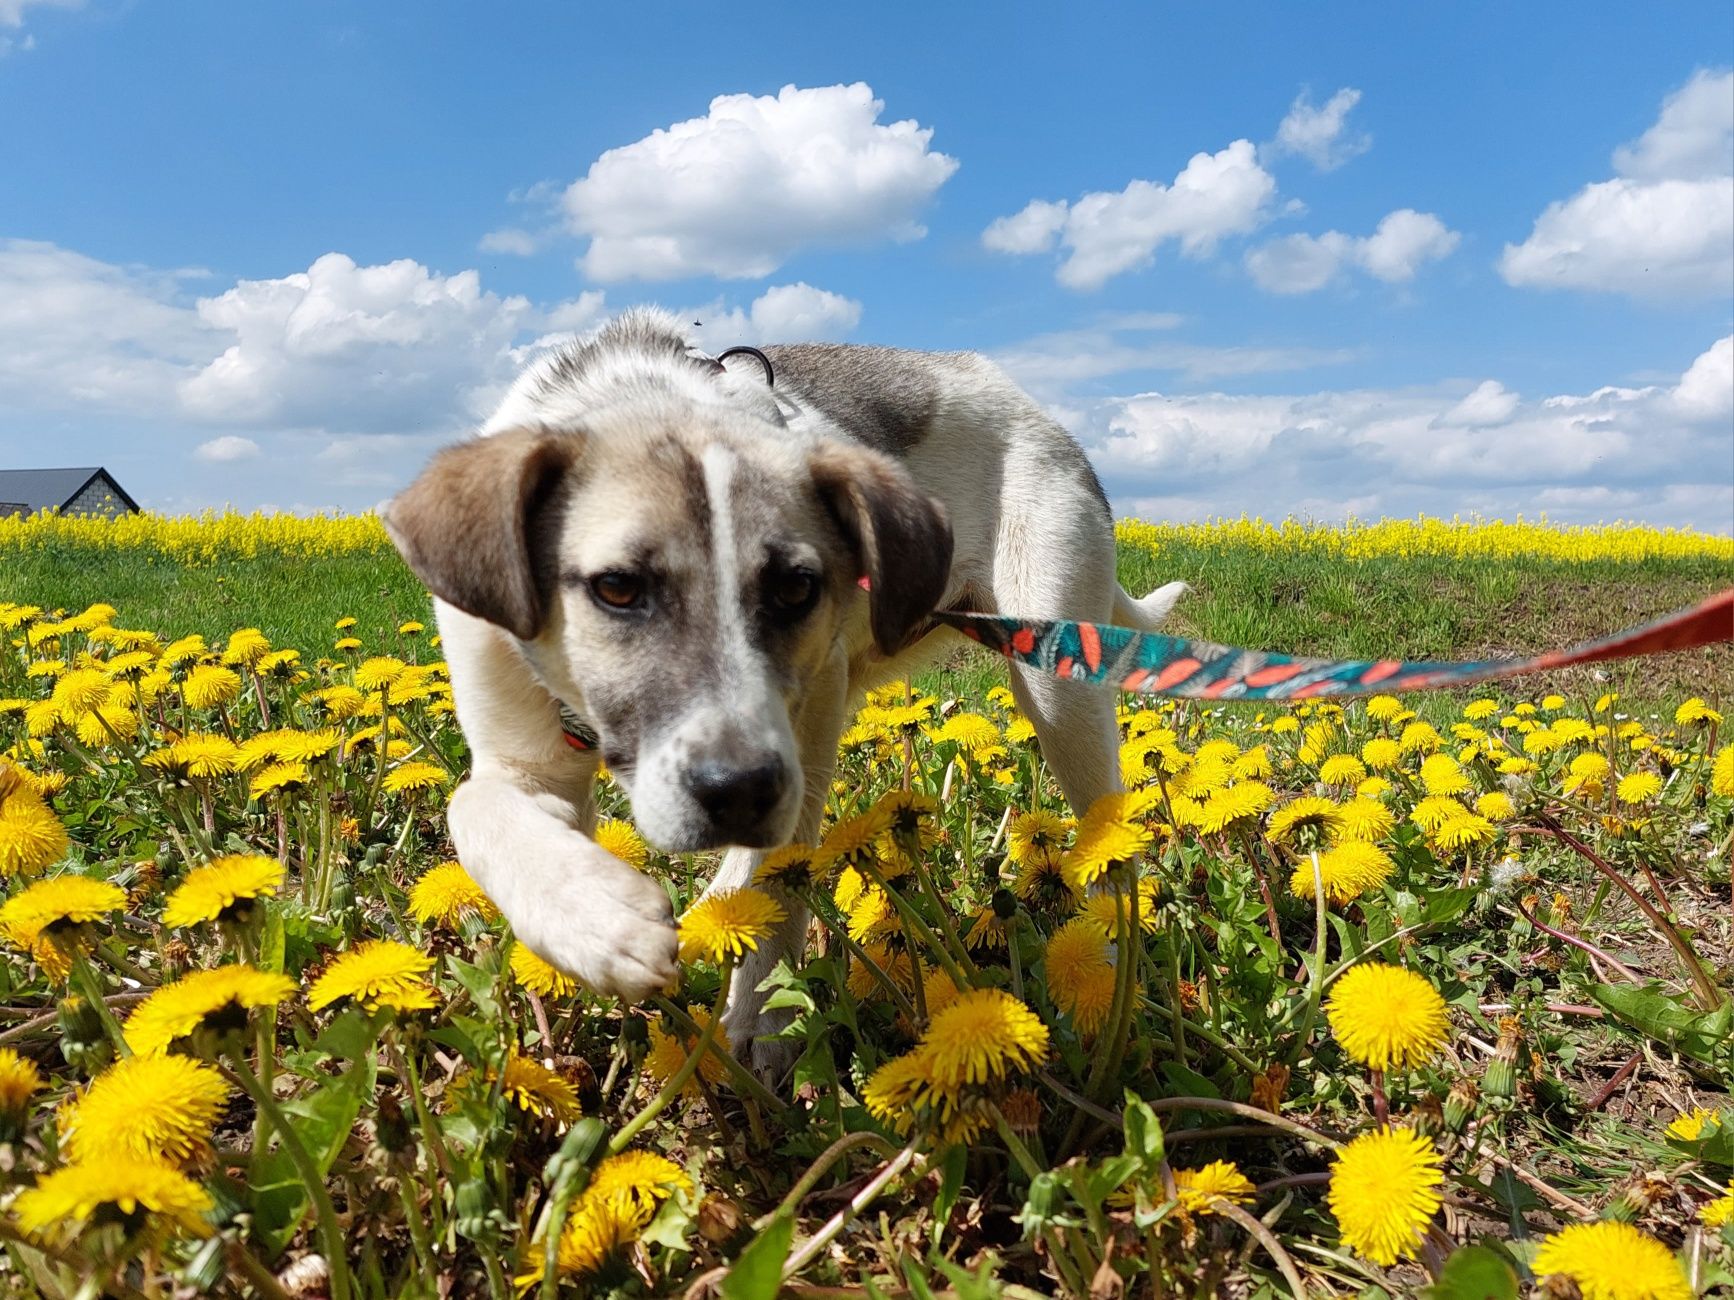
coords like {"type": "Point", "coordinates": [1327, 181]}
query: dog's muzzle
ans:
{"type": "Point", "coordinates": [738, 797]}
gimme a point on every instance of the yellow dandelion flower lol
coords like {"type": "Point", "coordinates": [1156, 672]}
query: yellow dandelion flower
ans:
{"type": "Point", "coordinates": [1420, 738]}
{"type": "Point", "coordinates": [1235, 803]}
{"type": "Point", "coordinates": [1200, 1191]}
{"type": "Point", "coordinates": [1543, 740]}
{"type": "Point", "coordinates": [81, 690]}
{"type": "Point", "coordinates": [126, 1186]}
{"type": "Point", "coordinates": [1383, 1192]}
{"type": "Point", "coordinates": [1342, 770]}
{"type": "Point", "coordinates": [295, 746]}
{"type": "Point", "coordinates": [1348, 870]}
{"type": "Point", "coordinates": [32, 838]}
{"type": "Point", "coordinates": [1719, 1213]}
{"type": "Point", "coordinates": [1496, 806]}
{"type": "Point", "coordinates": [872, 917]}
{"type": "Point", "coordinates": [376, 973]}
{"type": "Point", "coordinates": [1383, 708]}
{"type": "Point", "coordinates": [1441, 774]}
{"type": "Point", "coordinates": [225, 889]}
{"type": "Point", "coordinates": [1104, 908]}
{"type": "Point", "coordinates": [379, 672]}
{"type": "Point", "coordinates": [1639, 787]}
{"type": "Point", "coordinates": [447, 894]}
{"type": "Point", "coordinates": [790, 867]}
{"type": "Point", "coordinates": [1612, 1261]}
{"type": "Point", "coordinates": [1476, 710]}
{"type": "Point", "coordinates": [983, 1034]}
{"type": "Point", "coordinates": [156, 1107]}
{"type": "Point", "coordinates": [20, 1080]}
{"type": "Point", "coordinates": [247, 646]}
{"type": "Point", "coordinates": [539, 975]}
{"type": "Point", "coordinates": [1284, 724]}
{"type": "Point", "coordinates": [277, 777]}
{"type": "Point", "coordinates": [852, 839]}
{"type": "Point", "coordinates": [892, 1092]}
{"type": "Point", "coordinates": [346, 643]}
{"type": "Point", "coordinates": [1254, 765]}
{"type": "Point", "coordinates": [1038, 836]}
{"type": "Point", "coordinates": [1463, 831]}
{"type": "Point", "coordinates": [529, 1085]}
{"type": "Point", "coordinates": [1307, 813]}
{"type": "Point", "coordinates": [613, 1209]}
{"type": "Point", "coordinates": [623, 841]}
{"type": "Point", "coordinates": [1080, 973]}
{"type": "Point", "coordinates": [410, 628]}
{"type": "Point", "coordinates": [1722, 772]}
{"type": "Point", "coordinates": [341, 702]}
{"type": "Point", "coordinates": [1690, 1126]}
{"type": "Point", "coordinates": [725, 926]}
{"type": "Point", "coordinates": [1363, 818]}
{"type": "Point", "coordinates": [669, 1049]}
{"type": "Point", "coordinates": [215, 1000]}
{"type": "Point", "coordinates": [970, 732]}
{"type": "Point", "coordinates": [210, 685]}
{"type": "Point", "coordinates": [851, 884]}
{"type": "Point", "coordinates": [1387, 1017]}
{"type": "Point", "coordinates": [48, 919]}
{"type": "Point", "coordinates": [414, 776]}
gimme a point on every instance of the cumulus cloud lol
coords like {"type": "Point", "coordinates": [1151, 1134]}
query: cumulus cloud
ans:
{"type": "Point", "coordinates": [511, 241]}
{"type": "Point", "coordinates": [381, 347]}
{"type": "Point", "coordinates": [228, 447]}
{"type": "Point", "coordinates": [739, 191]}
{"type": "Point", "coordinates": [1663, 227]}
{"type": "Point", "coordinates": [1320, 133]}
{"type": "Point", "coordinates": [76, 332]}
{"type": "Point", "coordinates": [1107, 234]}
{"type": "Point", "coordinates": [1631, 452]}
{"type": "Point", "coordinates": [786, 313]}
{"type": "Point", "coordinates": [1402, 243]}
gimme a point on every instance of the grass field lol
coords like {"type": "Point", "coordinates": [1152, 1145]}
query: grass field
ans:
{"type": "Point", "coordinates": [1395, 998]}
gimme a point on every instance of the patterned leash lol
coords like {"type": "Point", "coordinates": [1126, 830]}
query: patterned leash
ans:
{"type": "Point", "coordinates": [1148, 663]}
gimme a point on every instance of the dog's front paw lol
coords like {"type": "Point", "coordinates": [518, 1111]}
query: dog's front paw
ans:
{"type": "Point", "coordinates": [752, 1034]}
{"type": "Point", "coordinates": [616, 934]}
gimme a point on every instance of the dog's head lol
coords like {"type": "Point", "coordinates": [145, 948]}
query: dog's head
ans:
{"type": "Point", "coordinates": [681, 573]}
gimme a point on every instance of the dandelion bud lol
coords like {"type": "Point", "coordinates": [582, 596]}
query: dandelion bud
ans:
{"type": "Point", "coordinates": [1501, 1077]}
{"type": "Point", "coordinates": [1460, 1105]}
{"type": "Point", "coordinates": [1427, 1117]}
{"type": "Point", "coordinates": [1639, 1197]}
{"type": "Point", "coordinates": [82, 1041]}
{"type": "Point", "coordinates": [1005, 904]}
{"type": "Point", "coordinates": [391, 1128]}
{"type": "Point", "coordinates": [478, 1218]}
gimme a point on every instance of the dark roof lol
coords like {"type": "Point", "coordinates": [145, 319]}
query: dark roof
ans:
{"type": "Point", "coordinates": [50, 489]}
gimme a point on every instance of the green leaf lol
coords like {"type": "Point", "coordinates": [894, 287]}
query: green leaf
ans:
{"type": "Point", "coordinates": [1474, 1273]}
{"type": "Point", "coordinates": [1447, 905]}
{"type": "Point", "coordinates": [1189, 1083]}
{"type": "Point", "coordinates": [758, 1273]}
{"type": "Point", "coordinates": [478, 982]}
{"type": "Point", "coordinates": [1668, 1019]}
{"type": "Point", "coordinates": [1714, 1145]}
{"type": "Point", "coordinates": [1143, 1133]}
{"type": "Point", "coordinates": [322, 1121]}
{"type": "Point", "coordinates": [951, 1172]}
{"type": "Point", "coordinates": [273, 944]}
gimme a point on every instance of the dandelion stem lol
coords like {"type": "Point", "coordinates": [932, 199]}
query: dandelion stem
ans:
{"type": "Point", "coordinates": [670, 1090]}
{"type": "Point", "coordinates": [859, 954]}
{"type": "Point", "coordinates": [1267, 1239]}
{"type": "Point", "coordinates": [818, 1169]}
{"type": "Point", "coordinates": [814, 1246]}
{"type": "Point", "coordinates": [1014, 1144]}
{"type": "Point", "coordinates": [913, 922]}
{"type": "Point", "coordinates": [91, 988]}
{"type": "Point", "coordinates": [1316, 988]}
{"type": "Point", "coordinates": [743, 1077]}
{"type": "Point", "coordinates": [404, 1063]}
{"type": "Point", "coordinates": [330, 1235]}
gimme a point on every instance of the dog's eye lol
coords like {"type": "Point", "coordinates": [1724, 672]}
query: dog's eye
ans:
{"type": "Point", "coordinates": [792, 591]}
{"type": "Point", "coordinates": [618, 590]}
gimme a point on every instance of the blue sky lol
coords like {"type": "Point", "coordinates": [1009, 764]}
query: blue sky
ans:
{"type": "Point", "coordinates": [1265, 259]}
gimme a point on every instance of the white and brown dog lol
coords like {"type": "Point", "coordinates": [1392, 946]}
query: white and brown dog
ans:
{"type": "Point", "coordinates": [654, 557]}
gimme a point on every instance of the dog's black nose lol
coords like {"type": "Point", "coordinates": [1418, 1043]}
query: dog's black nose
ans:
{"type": "Point", "coordinates": [737, 798]}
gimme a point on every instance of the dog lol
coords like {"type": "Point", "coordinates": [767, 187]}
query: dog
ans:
{"type": "Point", "coordinates": [692, 568]}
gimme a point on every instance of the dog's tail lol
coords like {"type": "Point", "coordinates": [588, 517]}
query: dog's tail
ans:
{"type": "Point", "coordinates": [1146, 614]}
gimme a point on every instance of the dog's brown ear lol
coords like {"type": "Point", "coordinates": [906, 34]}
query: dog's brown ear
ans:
{"type": "Point", "coordinates": [899, 533]}
{"type": "Point", "coordinates": [464, 525]}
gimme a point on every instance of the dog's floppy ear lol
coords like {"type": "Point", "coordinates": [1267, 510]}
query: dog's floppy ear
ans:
{"type": "Point", "coordinates": [464, 525]}
{"type": "Point", "coordinates": [900, 534]}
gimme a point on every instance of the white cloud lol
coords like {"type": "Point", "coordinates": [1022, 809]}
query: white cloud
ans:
{"type": "Point", "coordinates": [1048, 364]}
{"type": "Point", "coordinates": [1664, 226]}
{"type": "Point", "coordinates": [1402, 242]}
{"type": "Point", "coordinates": [78, 332]}
{"type": "Point", "coordinates": [1032, 230]}
{"type": "Point", "coordinates": [1636, 453]}
{"type": "Point", "coordinates": [1706, 390]}
{"type": "Point", "coordinates": [785, 313]}
{"type": "Point", "coordinates": [369, 348]}
{"type": "Point", "coordinates": [511, 241]}
{"type": "Point", "coordinates": [12, 11]}
{"type": "Point", "coordinates": [1107, 234]}
{"type": "Point", "coordinates": [739, 191]}
{"type": "Point", "coordinates": [1692, 140]}
{"type": "Point", "coordinates": [1320, 133]}
{"type": "Point", "coordinates": [228, 447]}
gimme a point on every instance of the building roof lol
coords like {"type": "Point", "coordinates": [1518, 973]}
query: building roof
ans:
{"type": "Point", "coordinates": [50, 489]}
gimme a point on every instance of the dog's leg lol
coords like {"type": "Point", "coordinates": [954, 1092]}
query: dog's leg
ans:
{"type": "Point", "coordinates": [520, 824]}
{"type": "Point", "coordinates": [1059, 563]}
{"type": "Point", "coordinates": [752, 1029]}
